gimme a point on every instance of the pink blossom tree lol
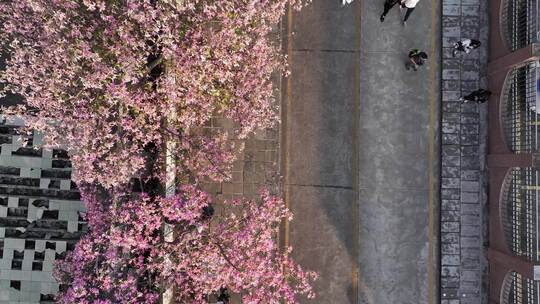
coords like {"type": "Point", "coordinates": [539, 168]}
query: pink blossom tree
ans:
{"type": "Point", "coordinates": [105, 78]}
{"type": "Point", "coordinates": [125, 259]}
{"type": "Point", "coordinates": [114, 82]}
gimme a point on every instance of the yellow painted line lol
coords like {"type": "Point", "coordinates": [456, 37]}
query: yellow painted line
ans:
{"type": "Point", "coordinates": [434, 88]}
{"type": "Point", "coordinates": [288, 125]}
{"type": "Point", "coordinates": [356, 96]}
{"type": "Point", "coordinates": [356, 161]}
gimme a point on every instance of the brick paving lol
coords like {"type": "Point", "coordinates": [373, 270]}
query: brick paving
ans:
{"type": "Point", "coordinates": [256, 166]}
{"type": "Point", "coordinates": [463, 172]}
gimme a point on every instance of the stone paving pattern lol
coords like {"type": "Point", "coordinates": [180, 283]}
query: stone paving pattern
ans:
{"type": "Point", "coordinates": [463, 186]}
{"type": "Point", "coordinates": [39, 216]}
{"type": "Point", "coordinates": [256, 166]}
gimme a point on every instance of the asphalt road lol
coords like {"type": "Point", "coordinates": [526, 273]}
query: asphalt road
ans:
{"type": "Point", "coordinates": [360, 151]}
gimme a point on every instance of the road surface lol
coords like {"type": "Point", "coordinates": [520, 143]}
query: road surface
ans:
{"type": "Point", "coordinates": [360, 149]}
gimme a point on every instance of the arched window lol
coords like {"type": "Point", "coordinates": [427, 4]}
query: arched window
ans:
{"type": "Point", "coordinates": [517, 289]}
{"type": "Point", "coordinates": [519, 212]}
{"type": "Point", "coordinates": [519, 24]}
{"type": "Point", "coordinates": [519, 115]}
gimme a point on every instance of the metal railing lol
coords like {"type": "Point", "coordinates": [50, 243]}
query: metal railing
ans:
{"type": "Point", "coordinates": [519, 111]}
{"type": "Point", "coordinates": [519, 22]}
{"type": "Point", "coordinates": [519, 212]}
{"type": "Point", "coordinates": [519, 290]}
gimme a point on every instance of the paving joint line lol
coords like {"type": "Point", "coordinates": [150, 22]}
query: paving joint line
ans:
{"type": "Point", "coordinates": [324, 51]}
{"type": "Point", "coordinates": [322, 186]}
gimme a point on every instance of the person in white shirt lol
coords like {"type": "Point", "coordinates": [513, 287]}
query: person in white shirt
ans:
{"type": "Point", "coordinates": [347, 2]}
{"type": "Point", "coordinates": [465, 46]}
{"type": "Point", "coordinates": [410, 5]}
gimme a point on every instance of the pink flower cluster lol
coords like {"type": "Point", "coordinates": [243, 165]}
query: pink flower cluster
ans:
{"type": "Point", "coordinates": [125, 258]}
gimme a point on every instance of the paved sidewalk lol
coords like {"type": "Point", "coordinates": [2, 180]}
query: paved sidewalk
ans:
{"type": "Point", "coordinates": [318, 145]}
{"type": "Point", "coordinates": [463, 218]}
{"type": "Point", "coordinates": [399, 161]}
{"type": "Point", "coordinates": [360, 159]}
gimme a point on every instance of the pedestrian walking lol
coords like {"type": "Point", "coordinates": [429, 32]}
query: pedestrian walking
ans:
{"type": "Point", "coordinates": [478, 96]}
{"type": "Point", "coordinates": [388, 4]}
{"type": "Point", "coordinates": [223, 297]}
{"type": "Point", "coordinates": [410, 5]}
{"type": "Point", "coordinates": [465, 46]}
{"type": "Point", "coordinates": [416, 59]}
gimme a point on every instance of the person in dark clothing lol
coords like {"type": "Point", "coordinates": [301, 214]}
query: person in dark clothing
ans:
{"type": "Point", "coordinates": [388, 4]}
{"type": "Point", "coordinates": [478, 96]}
{"type": "Point", "coordinates": [465, 46]}
{"type": "Point", "coordinates": [223, 297]}
{"type": "Point", "coordinates": [416, 58]}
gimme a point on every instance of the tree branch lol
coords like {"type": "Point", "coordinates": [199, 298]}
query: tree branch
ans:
{"type": "Point", "coordinates": [154, 64]}
{"type": "Point", "coordinates": [222, 251]}
{"type": "Point", "coordinates": [215, 166]}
